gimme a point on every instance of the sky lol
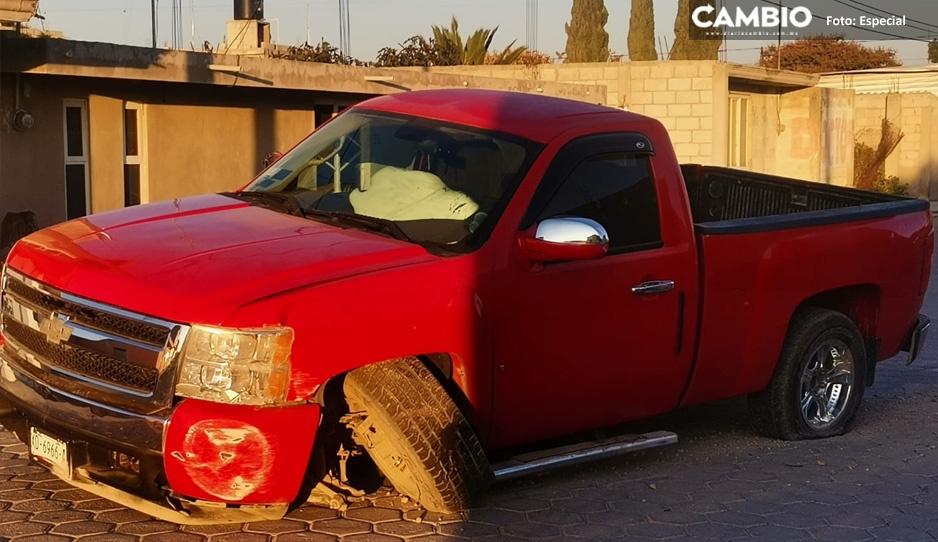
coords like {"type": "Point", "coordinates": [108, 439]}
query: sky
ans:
{"type": "Point", "coordinates": [374, 23]}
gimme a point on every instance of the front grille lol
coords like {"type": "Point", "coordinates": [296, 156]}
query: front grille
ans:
{"type": "Point", "coordinates": [125, 327]}
{"type": "Point", "coordinates": [127, 356]}
{"type": "Point", "coordinates": [82, 361]}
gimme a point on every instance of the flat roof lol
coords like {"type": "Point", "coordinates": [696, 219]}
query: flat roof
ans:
{"type": "Point", "coordinates": [114, 61]}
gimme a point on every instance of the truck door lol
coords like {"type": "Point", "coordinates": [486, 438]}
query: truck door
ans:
{"type": "Point", "coordinates": [583, 344]}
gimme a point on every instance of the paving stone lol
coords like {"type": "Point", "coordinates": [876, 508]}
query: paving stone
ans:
{"type": "Point", "coordinates": [82, 528]}
{"type": "Point", "coordinates": [469, 530]}
{"type": "Point", "coordinates": [404, 529]}
{"type": "Point", "coordinates": [531, 530]}
{"type": "Point", "coordinates": [306, 537]}
{"type": "Point", "coordinates": [373, 515]}
{"type": "Point", "coordinates": [841, 534]}
{"type": "Point", "coordinates": [555, 517]}
{"type": "Point", "coordinates": [341, 527]}
{"type": "Point", "coordinates": [716, 531]}
{"type": "Point", "coordinates": [900, 534]}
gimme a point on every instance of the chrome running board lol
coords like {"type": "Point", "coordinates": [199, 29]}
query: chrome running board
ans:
{"type": "Point", "coordinates": [530, 463]}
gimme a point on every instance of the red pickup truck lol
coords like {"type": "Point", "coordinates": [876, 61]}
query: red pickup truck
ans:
{"type": "Point", "coordinates": [432, 278]}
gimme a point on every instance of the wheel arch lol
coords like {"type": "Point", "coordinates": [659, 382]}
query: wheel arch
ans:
{"type": "Point", "coordinates": [861, 304]}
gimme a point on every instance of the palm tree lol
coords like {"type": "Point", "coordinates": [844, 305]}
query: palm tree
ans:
{"type": "Point", "coordinates": [474, 50]}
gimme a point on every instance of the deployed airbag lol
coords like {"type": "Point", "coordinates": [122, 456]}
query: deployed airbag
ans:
{"type": "Point", "coordinates": [403, 194]}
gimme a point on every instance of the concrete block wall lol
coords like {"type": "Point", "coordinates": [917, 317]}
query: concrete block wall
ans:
{"type": "Point", "coordinates": [687, 97]}
{"type": "Point", "coordinates": [915, 160]}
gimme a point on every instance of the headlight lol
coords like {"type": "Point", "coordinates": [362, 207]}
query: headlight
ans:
{"type": "Point", "coordinates": [240, 366]}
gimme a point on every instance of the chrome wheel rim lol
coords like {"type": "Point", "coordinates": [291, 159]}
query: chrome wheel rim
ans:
{"type": "Point", "coordinates": [826, 384]}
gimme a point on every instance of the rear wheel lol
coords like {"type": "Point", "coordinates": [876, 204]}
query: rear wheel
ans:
{"type": "Point", "coordinates": [416, 435]}
{"type": "Point", "coordinates": [818, 384]}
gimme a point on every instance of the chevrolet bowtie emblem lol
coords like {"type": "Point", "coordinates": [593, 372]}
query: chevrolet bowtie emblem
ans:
{"type": "Point", "coordinates": [55, 328]}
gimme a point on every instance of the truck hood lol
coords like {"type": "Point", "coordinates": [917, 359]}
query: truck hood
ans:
{"type": "Point", "coordinates": [196, 260]}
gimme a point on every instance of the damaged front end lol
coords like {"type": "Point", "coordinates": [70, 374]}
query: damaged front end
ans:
{"type": "Point", "coordinates": [92, 390]}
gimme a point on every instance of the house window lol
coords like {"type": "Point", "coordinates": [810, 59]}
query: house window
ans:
{"type": "Point", "coordinates": [739, 131]}
{"type": "Point", "coordinates": [135, 186]}
{"type": "Point", "coordinates": [77, 192]}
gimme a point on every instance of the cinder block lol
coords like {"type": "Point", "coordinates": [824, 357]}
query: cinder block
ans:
{"type": "Point", "coordinates": [706, 151]}
{"type": "Point", "coordinates": [680, 110]}
{"type": "Point", "coordinates": [701, 83]}
{"type": "Point", "coordinates": [706, 96]}
{"type": "Point", "coordinates": [640, 72]}
{"type": "Point", "coordinates": [706, 123]}
{"type": "Point", "coordinates": [663, 97]}
{"type": "Point", "coordinates": [686, 69]}
{"type": "Point", "coordinates": [591, 73]}
{"type": "Point", "coordinates": [656, 111]}
{"type": "Point", "coordinates": [669, 123]}
{"type": "Point", "coordinates": [702, 136]}
{"type": "Point", "coordinates": [662, 70]}
{"type": "Point", "coordinates": [702, 110]}
{"type": "Point", "coordinates": [686, 151]}
{"type": "Point", "coordinates": [705, 69]}
{"type": "Point", "coordinates": [688, 97]}
{"type": "Point", "coordinates": [688, 123]}
{"type": "Point", "coordinates": [612, 72]}
{"type": "Point", "coordinates": [679, 83]}
{"type": "Point", "coordinates": [681, 136]}
{"type": "Point", "coordinates": [655, 84]}
{"type": "Point", "coordinates": [642, 97]}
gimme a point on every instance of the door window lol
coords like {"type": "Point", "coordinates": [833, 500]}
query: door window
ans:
{"type": "Point", "coordinates": [618, 191]}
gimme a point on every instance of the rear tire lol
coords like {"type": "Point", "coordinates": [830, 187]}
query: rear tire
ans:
{"type": "Point", "coordinates": [818, 384]}
{"type": "Point", "coordinates": [416, 435]}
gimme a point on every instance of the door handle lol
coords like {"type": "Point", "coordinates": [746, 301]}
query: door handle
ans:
{"type": "Point", "coordinates": [653, 287]}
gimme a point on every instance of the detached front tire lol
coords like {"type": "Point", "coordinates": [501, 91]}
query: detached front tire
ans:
{"type": "Point", "coordinates": [416, 435]}
{"type": "Point", "coordinates": [818, 385]}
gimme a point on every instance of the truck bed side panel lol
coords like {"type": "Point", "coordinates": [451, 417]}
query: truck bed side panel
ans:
{"type": "Point", "coordinates": [752, 283]}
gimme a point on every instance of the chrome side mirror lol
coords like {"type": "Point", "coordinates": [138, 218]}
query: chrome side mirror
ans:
{"type": "Point", "coordinates": [566, 238]}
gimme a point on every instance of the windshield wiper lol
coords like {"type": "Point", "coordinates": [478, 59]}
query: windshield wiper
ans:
{"type": "Point", "coordinates": [382, 225]}
{"type": "Point", "coordinates": [286, 202]}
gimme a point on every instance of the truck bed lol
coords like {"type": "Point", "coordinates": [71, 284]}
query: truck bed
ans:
{"type": "Point", "coordinates": [725, 200]}
{"type": "Point", "coordinates": [768, 245]}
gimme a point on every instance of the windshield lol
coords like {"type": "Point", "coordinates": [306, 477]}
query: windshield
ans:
{"type": "Point", "coordinates": [434, 182]}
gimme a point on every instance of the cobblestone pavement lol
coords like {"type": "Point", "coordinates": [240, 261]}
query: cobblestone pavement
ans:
{"type": "Point", "coordinates": [721, 482]}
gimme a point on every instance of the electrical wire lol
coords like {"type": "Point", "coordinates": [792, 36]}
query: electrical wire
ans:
{"type": "Point", "coordinates": [894, 15]}
{"type": "Point", "coordinates": [929, 30]}
{"type": "Point", "coordinates": [824, 18]}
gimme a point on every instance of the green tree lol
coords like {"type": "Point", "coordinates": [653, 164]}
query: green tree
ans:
{"type": "Point", "coordinates": [690, 41]}
{"type": "Point", "coordinates": [827, 53]}
{"type": "Point", "coordinates": [447, 47]}
{"type": "Point", "coordinates": [321, 52]}
{"type": "Point", "coordinates": [415, 51]}
{"type": "Point", "coordinates": [642, 31]}
{"type": "Point", "coordinates": [474, 49]}
{"type": "Point", "coordinates": [933, 51]}
{"type": "Point", "coordinates": [587, 39]}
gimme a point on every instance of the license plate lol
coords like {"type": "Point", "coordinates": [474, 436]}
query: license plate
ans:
{"type": "Point", "coordinates": [48, 449]}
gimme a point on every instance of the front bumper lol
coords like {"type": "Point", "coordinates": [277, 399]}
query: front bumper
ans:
{"type": "Point", "coordinates": [118, 454]}
{"type": "Point", "coordinates": [916, 340]}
